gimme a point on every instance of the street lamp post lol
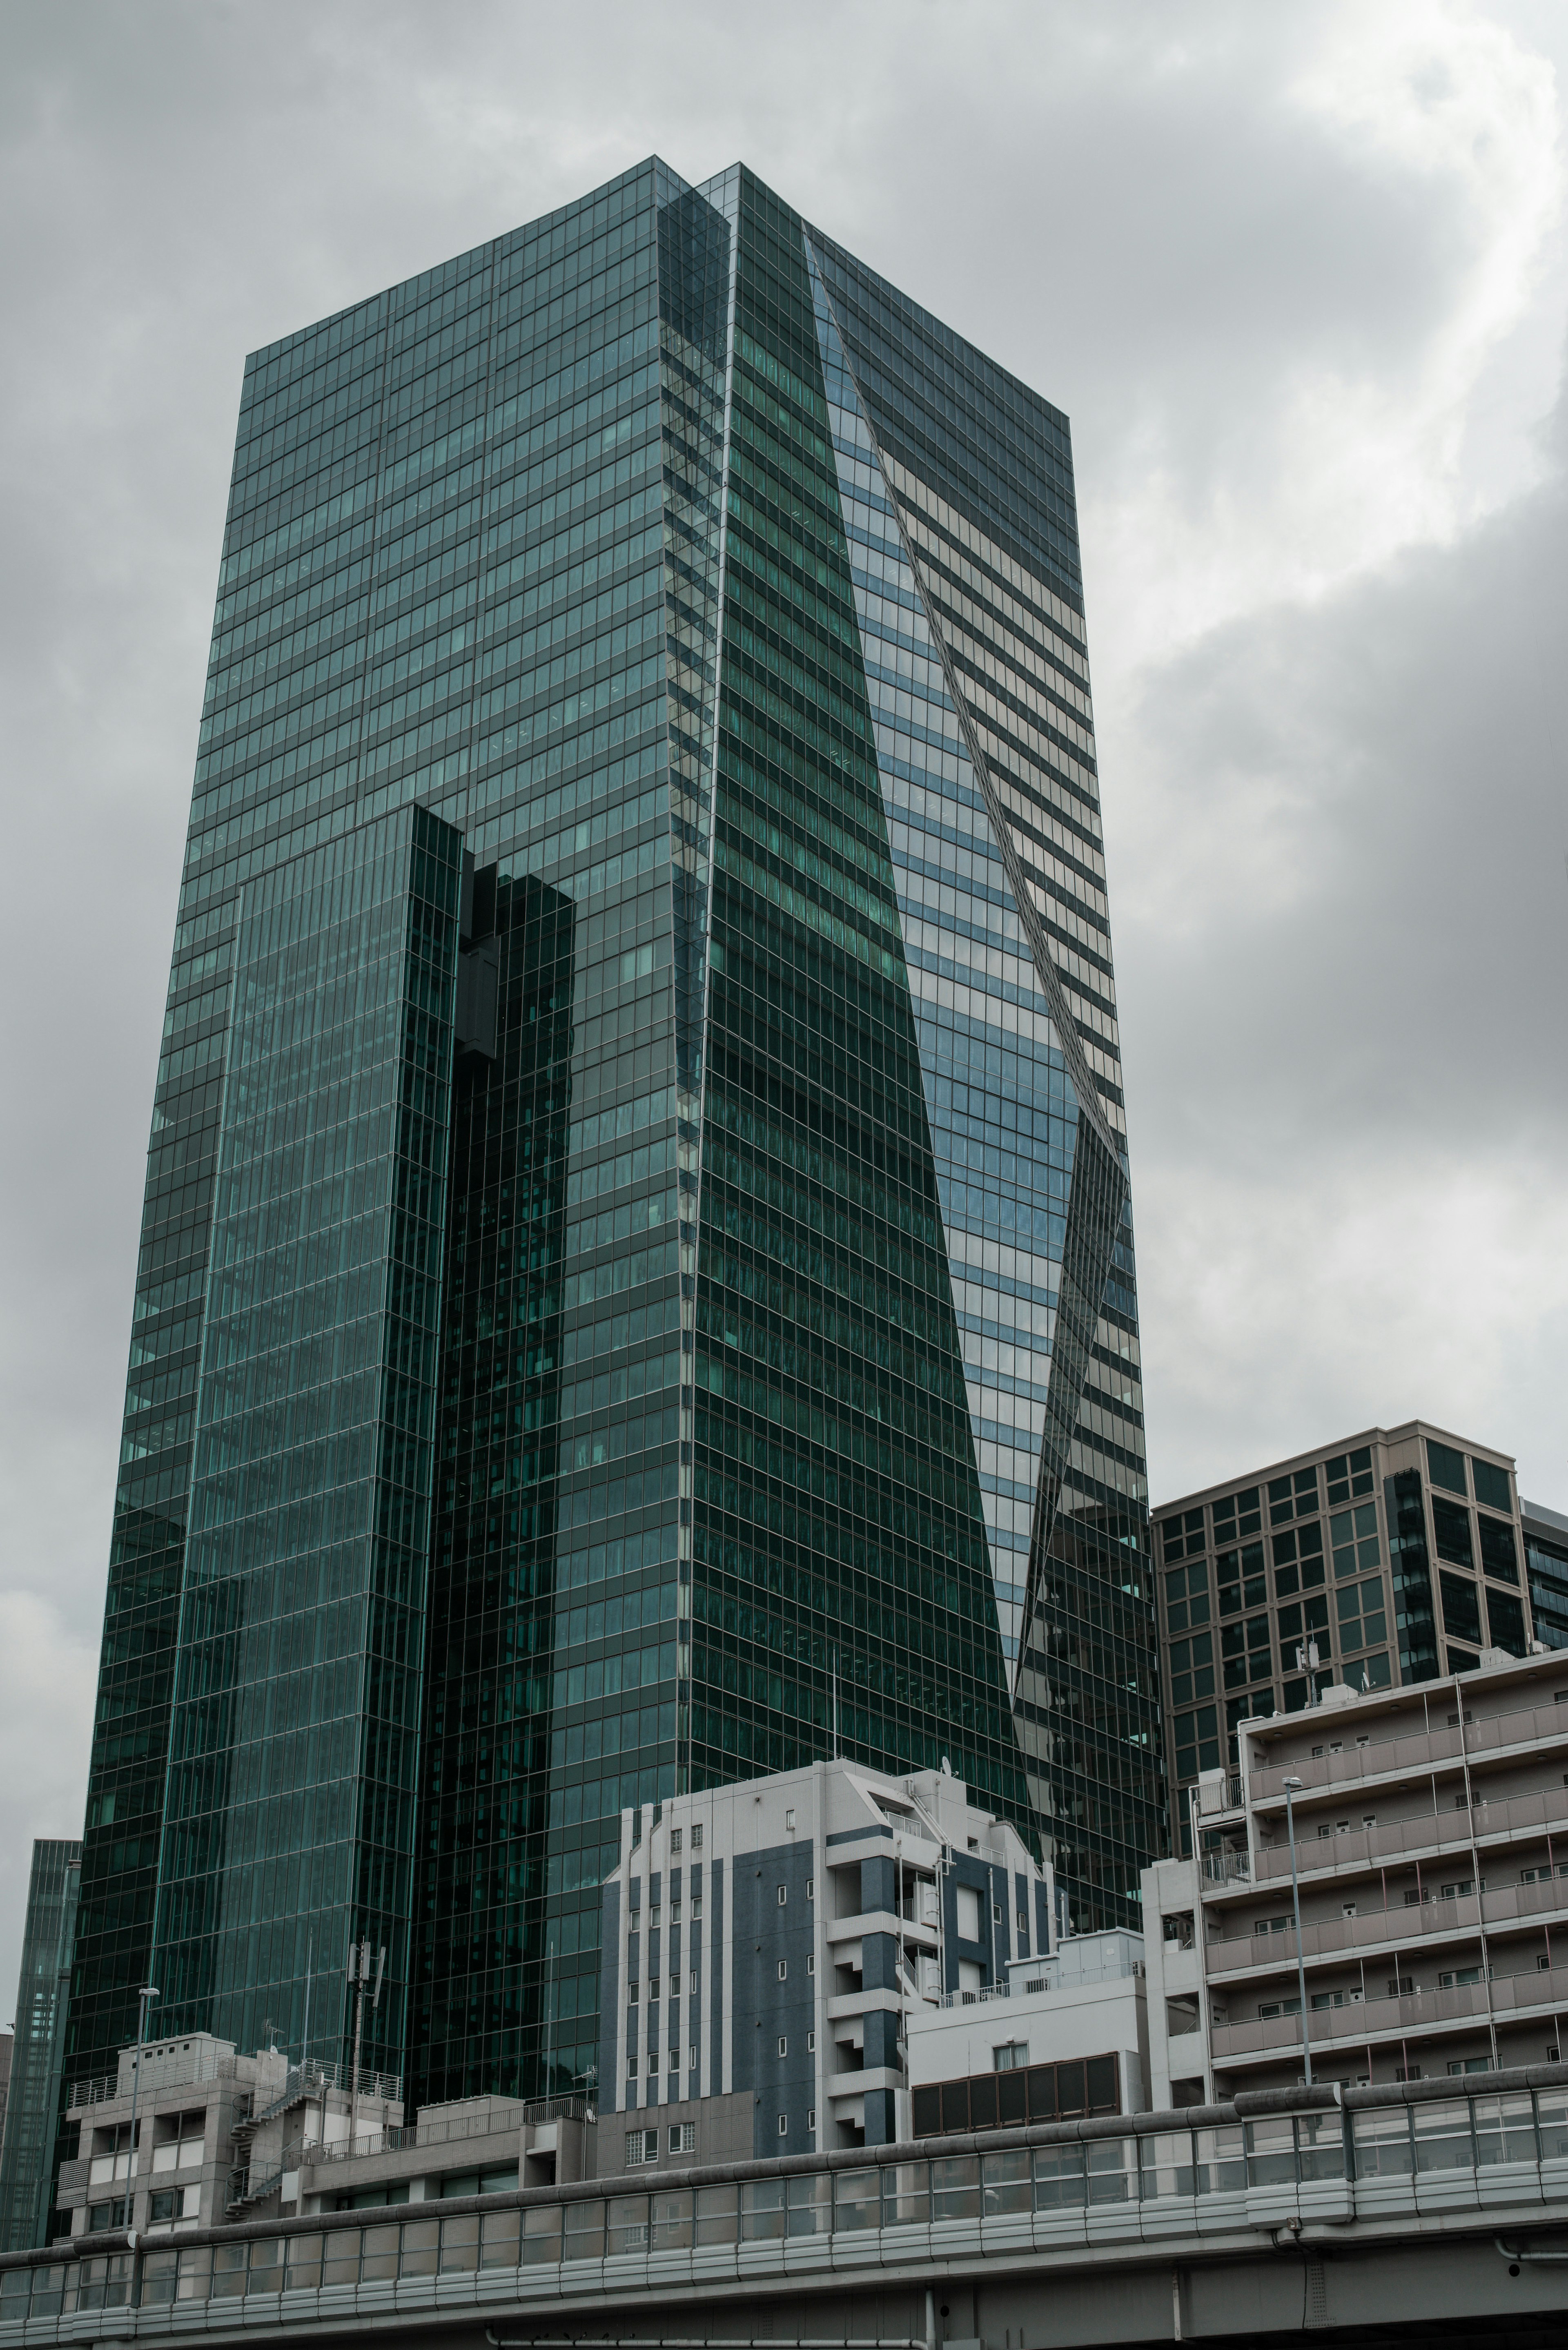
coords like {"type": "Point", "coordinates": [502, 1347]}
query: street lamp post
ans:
{"type": "Point", "coordinates": [144, 1998]}
{"type": "Point", "coordinates": [1292, 1788]}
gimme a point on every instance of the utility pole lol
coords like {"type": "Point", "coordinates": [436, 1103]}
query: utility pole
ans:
{"type": "Point", "coordinates": [144, 2000]}
{"type": "Point", "coordinates": [1292, 1789]}
{"type": "Point", "coordinates": [359, 1975]}
{"type": "Point", "coordinates": [305, 2081]}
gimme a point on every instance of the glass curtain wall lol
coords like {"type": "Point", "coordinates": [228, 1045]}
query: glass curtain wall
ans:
{"type": "Point", "coordinates": [288, 1823]}
{"type": "Point", "coordinates": [840, 1569]}
{"type": "Point", "coordinates": [727, 606]}
{"type": "Point", "coordinates": [958, 484]}
{"type": "Point", "coordinates": [53, 1890]}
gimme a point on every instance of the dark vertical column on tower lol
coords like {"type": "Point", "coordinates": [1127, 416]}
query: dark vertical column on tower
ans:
{"type": "Point", "coordinates": [477, 2021]}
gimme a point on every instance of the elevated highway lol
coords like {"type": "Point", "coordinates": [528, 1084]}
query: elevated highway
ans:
{"type": "Point", "coordinates": [1379, 2217]}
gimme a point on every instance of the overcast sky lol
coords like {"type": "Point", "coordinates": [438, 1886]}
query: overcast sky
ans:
{"type": "Point", "coordinates": [1296, 273]}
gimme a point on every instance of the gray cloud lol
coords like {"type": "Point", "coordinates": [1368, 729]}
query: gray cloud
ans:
{"type": "Point", "coordinates": [1249, 254]}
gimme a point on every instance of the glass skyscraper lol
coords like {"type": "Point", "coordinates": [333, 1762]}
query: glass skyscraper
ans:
{"type": "Point", "coordinates": [636, 1273]}
{"type": "Point", "coordinates": [36, 2055]}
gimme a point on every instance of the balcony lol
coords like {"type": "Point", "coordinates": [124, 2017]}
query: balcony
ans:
{"type": "Point", "coordinates": [1511, 1818]}
{"type": "Point", "coordinates": [1358, 2020]}
{"type": "Point", "coordinates": [1507, 1907]}
{"type": "Point", "coordinates": [1525, 1730]}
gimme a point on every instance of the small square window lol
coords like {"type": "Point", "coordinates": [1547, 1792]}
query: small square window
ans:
{"type": "Point", "coordinates": [697, 1836]}
{"type": "Point", "coordinates": [810, 1888]}
{"type": "Point", "coordinates": [783, 2125]}
{"type": "Point", "coordinates": [674, 1839]}
{"type": "Point", "coordinates": [784, 1894]}
{"type": "Point", "coordinates": [811, 1954]}
{"type": "Point", "coordinates": [811, 2119]}
{"type": "Point", "coordinates": [783, 2046]}
{"type": "Point", "coordinates": [811, 2045]}
{"type": "Point", "coordinates": [789, 1817]}
{"type": "Point", "coordinates": [784, 1970]}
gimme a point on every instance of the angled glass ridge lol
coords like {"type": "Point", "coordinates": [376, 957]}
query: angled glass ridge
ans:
{"type": "Point", "coordinates": [636, 1260]}
{"type": "Point", "coordinates": [986, 748]}
{"type": "Point", "coordinates": [834, 1479]}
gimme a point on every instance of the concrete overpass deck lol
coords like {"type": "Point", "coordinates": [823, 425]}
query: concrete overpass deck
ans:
{"type": "Point", "coordinates": [1375, 2216]}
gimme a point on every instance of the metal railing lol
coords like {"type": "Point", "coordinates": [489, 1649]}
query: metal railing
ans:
{"type": "Point", "coordinates": [1439, 1915]}
{"type": "Point", "coordinates": [1444, 1829]}
{"type": "Point", "coordinates": [314, 2078]}
{"type": "Point", "coordinates": [1268, 2159]}
{"type": "Point", "coordinates": [976, 1998]}
{"type": "Point", "coordinates": [170, 2074]}
{"type": "Point", "coordinates": [451, 2129]}
{"type": "Point", "coordinates": [1413, 1751]}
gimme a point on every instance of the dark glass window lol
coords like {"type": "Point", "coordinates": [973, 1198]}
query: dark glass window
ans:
{"type": "Point", "coordinates": [1239, 1514]}
{"type": "Point", "coordinates": [1451, 1532]}
{"type": "Point", "coordinates": [1547, 1566]}
{"type": "Point", "coordinates": [1498, 1556]}
{"type": "Point", "coordinates": [1197, 1742]}
{"type": "Point", "coordinates": [1462, 1607]}
{"type": "Point", "coordinates": [1348, 1474]}
{"type": "Point", "coordinates": [1446, 1467]}
{"type": "Point", "coordinates": [1183, 1534]}
{"type": "Point", "coordinates": [1354, 1534]}
{"type": "Point", "coordinates": [1362, 1610]}
{"type": "Point", "coordinates": [1491, 1485]}
{"type": "Point", "coordinates": [1505, 1614]}
{"type": "Point", "coordinates": [1414, 1613]}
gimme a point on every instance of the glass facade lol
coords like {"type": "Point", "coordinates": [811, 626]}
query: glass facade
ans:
{"type": "Point", "coordinates": [53, 1889]}
{"type": "Point", "coordinates": [1352, 1553]}
{"type": "Point", "coordinates": [636, 1268]}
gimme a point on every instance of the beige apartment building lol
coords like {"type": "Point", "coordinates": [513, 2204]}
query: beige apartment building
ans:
{"type": "Point", "coordinates": [1431, 1844]}
{"type": "Point", "coordinates": [224, 2137]}
{"type": "Point", "coordinates": [216, 2135]}
{"type": "Point", "coordinates": [1383, 1559]}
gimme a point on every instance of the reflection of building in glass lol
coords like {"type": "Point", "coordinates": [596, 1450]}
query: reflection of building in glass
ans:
{"type": "Point", "coordinates": [1395, 1553]}
{"type": "Point", "coordinates": [636, 1261]}
{"type": "Point", "coordinates": [31, 2104]}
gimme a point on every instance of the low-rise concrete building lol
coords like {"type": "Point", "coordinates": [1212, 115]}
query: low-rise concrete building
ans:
{"type": "Point", "coordinates": [1430, 1831]}
{"type": "Point", "coordinates": [765, 1944]}
{"type": "Point", "coordinates": [1062, 2036]}
{"type": "Point", "coordinates": [216, 2135]}
{"type": "Point", "coordinates": [473, 2145]}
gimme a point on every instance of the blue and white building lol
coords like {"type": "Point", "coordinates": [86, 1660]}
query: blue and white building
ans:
{"type": "Point", "coordinates": [765, 1945]}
